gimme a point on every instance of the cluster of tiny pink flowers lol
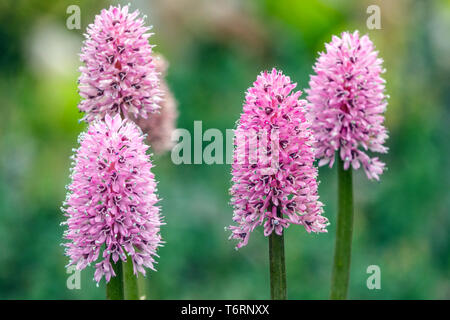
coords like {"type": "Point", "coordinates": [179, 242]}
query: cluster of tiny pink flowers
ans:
{"type": "Point", "coordinates": [119, 74]}
{"type": "Point", "coordinates": [279, 187]}
{"type": "Point", "coordinates": [160, 126]}
{"type": "Point", "coordinates": [347, 103]}
{"type": "Point", "coordinates": [111, 201]}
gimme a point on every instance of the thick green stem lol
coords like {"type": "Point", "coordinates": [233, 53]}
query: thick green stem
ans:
{"type": "Point", "coordinates": [277, 267]}
{"type": "Point", "coordinates": [342, 254]}
{"type": "Point", "coordinates": [114, 288]}
{"type": "Point", "coordinates": [130, 281]}
{"type": "Point", "coordinates": [142, 287]}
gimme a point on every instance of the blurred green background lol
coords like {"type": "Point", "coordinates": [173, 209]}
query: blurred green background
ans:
{"type": "Point", "coordinates": [215, 49]}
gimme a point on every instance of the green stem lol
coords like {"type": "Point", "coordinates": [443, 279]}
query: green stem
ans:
{"type": "Point", "coordinates": [142, 287]}
{"type": "Point", "coordinates": [130, 282]}
{"type": "Point", "coordinates": [342, 254]}
{"type": "Point", "coordinates": [277, 267]}
{"type": "Point", "coordinates": [114, 288]}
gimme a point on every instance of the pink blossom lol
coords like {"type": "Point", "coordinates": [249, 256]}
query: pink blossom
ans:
{"type": "Point", "coordinates": [347, 103]}
{"type": "Point", "coordinates": [274, 179]}
{"type": "Point", "coordinates": [160, 126]}
{"type": "Point", "coordinates": [111, 201]}
{"type": "Point", "coordinates": [119, 74]}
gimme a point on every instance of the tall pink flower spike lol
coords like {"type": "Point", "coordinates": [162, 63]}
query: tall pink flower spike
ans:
{"type": "Point", "coordinates": [347, 103]}
{"type": "Point", "coordinates": [111, 202]}
{"type": "Point", "coordinates": [278, 187]}
{"type": "Point", "coordinates": [119, 74]}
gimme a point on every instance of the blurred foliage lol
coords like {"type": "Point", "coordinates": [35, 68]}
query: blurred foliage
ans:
{"type": "Point", "coordinates": [215, 49]}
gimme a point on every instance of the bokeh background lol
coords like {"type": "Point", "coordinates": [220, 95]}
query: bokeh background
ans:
{"type": "Point", "coordinates": [215, 49]}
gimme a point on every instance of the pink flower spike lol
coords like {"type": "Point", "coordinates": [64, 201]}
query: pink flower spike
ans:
{"type": "Point", "coordinates": [111, 202]}
{"type": "Point", "coordinates": [160, 126]}
{"type": "Point", "coordinates": [347, 103]}
{"type": "Point", "coordinates": [119, 74]}
{"type": "Point", "coordinates": [274, 179]}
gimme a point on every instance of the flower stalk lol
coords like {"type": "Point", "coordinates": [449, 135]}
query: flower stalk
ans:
{"type": "Point", "coordinates": [130, 281]}
{"type": "Point", "coordinates": [342, 255]}
{"type": "Point", "coordinates": [124, 286]}
{"type": "Point", "coordinates": [347, 105]}
{"type": "Point", "coordinates": [278, 289]}
{"type": "Point", "coordinates": [114, 288]}
{"type": "Point", "coordinates": [142, 287]}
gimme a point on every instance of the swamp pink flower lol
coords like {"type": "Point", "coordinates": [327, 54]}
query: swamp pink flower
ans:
{"type": "Point", "coordinates": [278, 186]}
{"type": "Point", "coordinates": [160, 126]}
{"type": "Point", "coordinates": [119, 74]}
{"type": "Point", "coordinates": [347, 103]}
{"type": "Point", "coordinates": [111, 202]}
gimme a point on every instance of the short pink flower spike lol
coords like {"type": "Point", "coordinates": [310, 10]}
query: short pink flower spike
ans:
{"type": "Point", "coordinates": [274, 179]}
{"type": "Point", "coordinates": [111, 202]}
{"type": "Point", "coordinates": [347, 103]}
{"type": "Point", "coordinates": [119, 74]}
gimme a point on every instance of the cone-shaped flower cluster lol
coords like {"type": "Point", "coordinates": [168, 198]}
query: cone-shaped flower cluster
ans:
{"type": "Point", "coordinates": [274, 179]}
{"type": "Point", "coordinates": [160, 126]}
{"type": "Point", "coordinates": [111, 203]}
{"type": "Point", "coordinates": [119, 74]}
{"type": "Point", "coordinates": [347, 104]}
